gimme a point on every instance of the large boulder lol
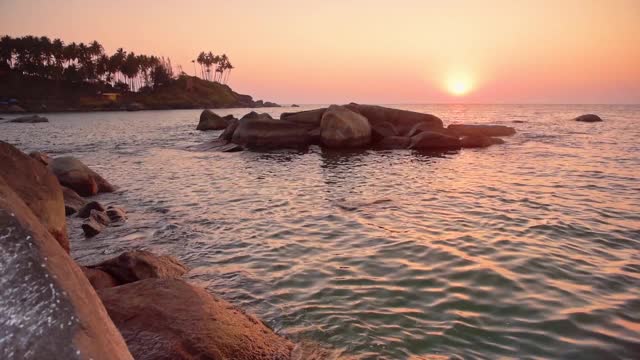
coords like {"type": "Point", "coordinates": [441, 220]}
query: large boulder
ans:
{"type": "Point", "coordinates": [211, 121]}
{"type": "Point", "coordinates": [99, 279]}
{"type": "Point", "coordinates": [30, 119]}
{"type": "Point", "coordinates": [402, 120]}
{"type": "Point", "coordinates": [309, 118]}
{"type": "Point", "coordinates": [77, 176]}
{"type": "Point", "coordinates": [479, 141]}
{"type": "Point", "coordinates": [38, 188]}
{"type": "Point", "coordinates": [434, 141]}
{"type": "Point", "coordinates": [481, 130]}
{"type": "Point", "coordinates": [343, 128]}
{"type": "Point", "coordinates": [261, 131]}
{"type": "Point", "coordinates": [49, 309]}
{"type": "Point", "coordinates": [227, 134]}
{"type": "Point", "coordinates": [138, 265]}
{"type": "Point", "coordinates": [171, 319]}
{"type": "Point", "coordinates": [588, 118]}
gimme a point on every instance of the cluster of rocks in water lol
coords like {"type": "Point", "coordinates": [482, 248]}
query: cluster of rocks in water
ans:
{"type": "Point", "coordinates": [135, 305]}
{"type": "Point", "coordinates": [351, 126]}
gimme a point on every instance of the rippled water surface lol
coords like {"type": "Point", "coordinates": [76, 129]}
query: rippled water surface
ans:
{"type": "Point", "coordinates": [525, 250]}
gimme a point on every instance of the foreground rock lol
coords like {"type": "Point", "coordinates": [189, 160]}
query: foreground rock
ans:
{"type": "Point", "coordinates": [343, 128]}
{"type": "Point", "coordinates": [77, 176]}
{"type": "Point", "coordinates": [40, 156]}
{"type": "Point", "coordinates": [96, 223]}
{"type": "Point", "coordinates": [211, 121]}
{"type": "Point", "coordinates": [138, 265]}
{"type": "Point", "coordinates": [260, 131]}
{"type": "Point", "coordinates": [481, 130]}
{"type": "Point", "coordinates": [99, 279]}
{"type": "Point", "coordinates": [434, 141]}
{"type": "Point", "coordinates": [85, 211]}
{"type": "Point", "coordinates": [49, 309]}
{"type": "Point", "coordinates": [37, 187]}
{"type": "Point", "coordinates": [588, 118]}
{"type": "Point", "coordinates": [170, 319]}
{"type": "Point", "coordinates": [31, 119]}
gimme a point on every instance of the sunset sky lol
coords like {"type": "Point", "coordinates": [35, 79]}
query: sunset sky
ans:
{"type": "Point", "coordinates": [375, 51]}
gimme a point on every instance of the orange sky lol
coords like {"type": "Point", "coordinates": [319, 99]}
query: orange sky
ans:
{"type": "Point", "coordinates": [376, 51]}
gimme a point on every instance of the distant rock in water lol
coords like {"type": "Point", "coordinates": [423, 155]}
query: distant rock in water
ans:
{"type": "Point", "coordinates": [77, 176]}
{"type": "Point", "coordinates": [295, 105]}
{"type": "Point", "coordinates": [479, 141]}
{"type": "Point", "coordinates": [135, 107]}
{"type": "Point", "coordinates": [588, 118]}
{"type": "Point", "coordinates": [31, 119]}
{"type": "Point", "coordinates": [212, 121]}
{"type": "Point", "coordinates": [481, 130]}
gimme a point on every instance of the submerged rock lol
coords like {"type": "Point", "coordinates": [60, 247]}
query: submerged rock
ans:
{"type": "Point", "coordinates": [211, 121]}
{"type": "Point", "coordinates": [37, 187]}
{"type": "Point", "coordinates": [49, 309]}
{"type": "Point", "coordinates": [481, 130]}
{"type": "Point", "coordinates": [479, 141]}
{"type": "Point", "coordinates": [343, 128]}
{"type": "Point", "coordinates": [138, 265]}
{"type": "Point", "coordinates": [77, 176]}
{"type": "Point", "coordinates": [427, 140]}
{"type": "Point", "coordinates": [588, 118]}
{"type": "Point", "coordinates": [171, 319]}
{"type": "Point", "coordinates": [31, 119]}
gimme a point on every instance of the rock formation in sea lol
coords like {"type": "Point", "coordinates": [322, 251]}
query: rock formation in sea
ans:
{"type": "Point", "coordinates": [588, 118]}
{"type": "Point", "coordinates": [353, 126]}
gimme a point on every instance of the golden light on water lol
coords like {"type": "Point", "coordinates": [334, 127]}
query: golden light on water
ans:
{"type": "Point", "coordinates": [459, 84]}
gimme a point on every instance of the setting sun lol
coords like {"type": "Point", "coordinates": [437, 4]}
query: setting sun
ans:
{"type": "Point", "coordinates": [459, 85]}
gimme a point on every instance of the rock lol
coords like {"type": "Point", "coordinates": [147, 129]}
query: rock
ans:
{"type": "Point", "coordinates": [99, 279]}
{"type": "Point", "coordinates": [383, 130]}
{"type": "Point", "coordinates": [218, 145]}
{"type": "Point", "coordinates": [31, 119]}
{"type": "Point", "coordinates": [135, 107]}
{"type": "Point", "coordinates": [116, 214]}
{"type": "Point", "coordinates": [434, 140]}
{"type": "Point", "coordinates": [255, 115]}
{"type": "Point", "coordinates": [72, 201]}
{"type": "Point", "coordinates": [75, 175]}
{"type": "Point", "coordinates": [38, 188]}
{"type": "Point", "coordinates": [343, 128]}
{"type": "Point", "coordinates": [100, 217]}
{"type": "Point", "coordinates": [295, 105]}
{"type": "Point", "coordinates": [14, 109]}
{"type": "Point", "coordinates": [402, 120]}
{"type": "Point", "coordinates": [138, 265]}
{"type": "Point", "coordinates": [394, 142]}
{"type": "Point", "coordinates": [270, 104]}
{"type": "Point", "coordinates": [85, 211]}
{"type": "Point", "coordinates": [49, 309]}
{"type": "Point", "coordinates": [263, 132]}
{"type": "Point", "coordinates": [91, 227]}
{"type": "Point", "coordinates": [227, 134]}
{"type": "Point", "coordinates": [422, 127]}
{"type": "Point", "coordinates": [40, 156]}
{"type": "Point", "coordinates": [310, 118]}
{"type": "Point", "coordinates": [479, 141]}
{"type": "Point", "coordinates": [481, 130]}
{"type": "Point", "coordinates": [171, 319]}
{"type": "Point", "coordinates": [588, 118]}
{"type": "Point", "coordinates": [211, 121]}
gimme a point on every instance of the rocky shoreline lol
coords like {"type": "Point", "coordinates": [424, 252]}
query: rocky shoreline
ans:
{"type": "Point", "coordinates": [135, 305]}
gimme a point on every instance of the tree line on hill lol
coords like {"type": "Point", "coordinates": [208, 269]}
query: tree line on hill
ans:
{"type": "Point", "coordinates": [79, 62]}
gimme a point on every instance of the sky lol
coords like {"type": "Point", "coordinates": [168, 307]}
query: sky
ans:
{"type": "Point", "coordinates": [372, 51]}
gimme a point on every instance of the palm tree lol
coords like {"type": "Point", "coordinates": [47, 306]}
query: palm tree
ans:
{"type": "Point", "coordinates": [229, 67]}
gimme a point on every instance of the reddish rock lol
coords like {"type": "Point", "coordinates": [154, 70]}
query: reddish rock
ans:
{"type": "Point", "coordinates": [40, 156]}
{"type": "Point", "coordinates": [37, 187]}
{"type": "Point", "coordinates": [49, 309]}
{"type": "Point", "coordinates": [138, 265]}
{"type": "Point", "coordinates": [85, 211]}
{"type": "Point", "coordinates": [75, 175]}
{"type": "Point", "coordinates": [171, 319]}
{"type": "Point", "coordinates": [116, 214]}
{"type": "Point", "coordinates": [99, 279]}
{"type": "Point", "coordinates": [72, 201]}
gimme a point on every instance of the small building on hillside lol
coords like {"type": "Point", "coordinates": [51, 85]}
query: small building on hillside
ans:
{"type": "Point", "coordinates": [111, 96]}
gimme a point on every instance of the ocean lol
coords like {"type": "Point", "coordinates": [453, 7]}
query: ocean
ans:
{"type": "Point", "coordinates": [527, 250]}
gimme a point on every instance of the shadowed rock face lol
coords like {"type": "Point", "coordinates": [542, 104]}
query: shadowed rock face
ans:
{"type": "Point", "coordinates": [481, 130]}
{"type": "Point", "coordinates": [170, 319]}
{"type": "Point", "coordinates": [37, 187]}
{"type": "Point", "coordinates": [77, 176]}
{"type": "Point", "coordinates": [138, 265]}
{"type": "Point", "coordinates": [402, 120]}
{"type": "Point", "coordinates": [588, 118]}
{"type": "Point", "coordinates": [342, 128]}
{"type": "Point", "coordinates": [479, 141]}
{"type": "Point", "coordinates": [309, 118]}
{"type": "Point", "coordinates": [227, 134]}
{"type": "Point", "coordinates": [264, 132]}
{"type": "Point", "coordinates": [48, 309]}
{"type": "Point", "coordinates": [433, 141]}
{"type": "Point", "coordinates": [72, 201]}
{"type": "Point", "coordinates": [211, 121]}
{"type": "Point", "coordinates": [394, 142]}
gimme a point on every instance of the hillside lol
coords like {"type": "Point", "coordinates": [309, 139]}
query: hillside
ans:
{"type": "Point", "coordinates": [187, 92]}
